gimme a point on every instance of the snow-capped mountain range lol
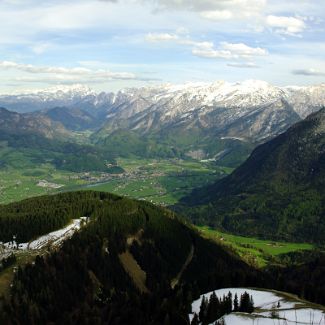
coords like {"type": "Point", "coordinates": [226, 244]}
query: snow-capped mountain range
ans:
{"type": "Point", "coordinates": [253, 110]}
{"type": "Point", "coordinates": [219, 93]}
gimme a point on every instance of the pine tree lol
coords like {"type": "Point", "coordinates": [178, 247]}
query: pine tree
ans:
{"type": "Point", "coordinates": [213, 308]}
{"type": "Point", "coordinates": [203, 309]}
{"type": "Point", "coordinates": [228, 303]}
{"type": "Point", "coordinates": [236, 303]}
{"type": "Point", "coordinates": [246, 303]}
{"type": "Point", "coordinates": [195, 320]}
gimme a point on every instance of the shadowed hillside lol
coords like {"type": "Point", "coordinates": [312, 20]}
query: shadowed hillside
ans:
{"type": "Point", "coordinates": [279, 192]}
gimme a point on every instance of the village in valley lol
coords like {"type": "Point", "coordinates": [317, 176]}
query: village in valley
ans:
{"type": "Point", "coordinates": [162, 181]}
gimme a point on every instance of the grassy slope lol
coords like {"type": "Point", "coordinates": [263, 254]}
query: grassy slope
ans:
{"type": "Point", "coordinates": [252, 250]}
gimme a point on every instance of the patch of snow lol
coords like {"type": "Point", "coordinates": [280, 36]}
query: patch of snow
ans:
{"type": "Point", "coordinates": [302, 316]}
{"type": "Point", "coordinates": [55, 237]}
{"type": "Point", "coordinates": [261, 298]}
{"type": "Point", "coordinates": [289, 311]}
{"type": "Point", "coordinates": [55, 90]}
{"type": "Point", "coordinates": [236, 319]}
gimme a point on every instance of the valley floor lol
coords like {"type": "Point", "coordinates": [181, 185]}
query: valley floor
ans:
{"type": "Point", "coordinates": [162, 181]}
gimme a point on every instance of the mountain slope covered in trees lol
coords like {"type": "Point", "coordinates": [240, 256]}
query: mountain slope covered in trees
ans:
{"type": "Point", "coordinates": [31, 149]}
{"type": "Point", "coordinates": [279, 192]}
{"type": "Point", "coordinates": [91, 280]}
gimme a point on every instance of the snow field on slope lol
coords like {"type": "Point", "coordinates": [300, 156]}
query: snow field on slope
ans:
{"type": "Point", "coordinates": [290, 311]}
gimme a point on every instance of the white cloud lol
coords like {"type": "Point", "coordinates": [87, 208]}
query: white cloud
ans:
{"type": "Point", "coordinates": [309, 72]}
{"type": "Point", "coordinates": [217, 14]}
{"type": "Point", "coordinates": [207, 49]}
{"type": "Point", "coordinates": [200, 45]}
{"type": "Point", "coordinates": [243, 50]}
{"type": "Point", "coordinates": [62, 73]}
{"type": "Point", "coordinates": [244, 65]}
{"type": "Point", "coordinates": [66, 32]}
{"type": "Point", "coordinates": [179, 39]}
{"type": "Point", "coordinates": [161, 37]}
{"type": "Point", "coordinates": [286, 25]}
{"type": "Point", "coordinates": [230, 51]}
{"type": "Point", "coordinates": [243, 7]}
{"type": "Point", "coordinates": [41, 48]}
{"type": "Point", "coordinates": [212, 54]}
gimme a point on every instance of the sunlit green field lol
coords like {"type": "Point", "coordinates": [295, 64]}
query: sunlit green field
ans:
{"type": "Point", "coordinates": [18, 184]}
{"type": "Point", "coordinates": [162, 181]}
{"type": "Point", "coordinates": [159, 181]}
{"type": "Point", "coordinates": [254, 251]}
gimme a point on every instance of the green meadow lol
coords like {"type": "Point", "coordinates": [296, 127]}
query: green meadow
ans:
{"type": "Point", "coordinates": [257, 252]}
{"type": "Point", "coordinates": [162, 181]}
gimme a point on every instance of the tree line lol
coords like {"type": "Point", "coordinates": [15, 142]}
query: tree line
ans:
{"type": "Point", "coordinates": [214, 308]}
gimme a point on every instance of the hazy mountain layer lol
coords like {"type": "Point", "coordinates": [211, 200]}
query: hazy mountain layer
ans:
{"type": "Point", "coordinates": [15, 123]}
{"type": "Point", "coordinates": [151, 108]}
{"type": "Point", "coordinates": [189, 120]}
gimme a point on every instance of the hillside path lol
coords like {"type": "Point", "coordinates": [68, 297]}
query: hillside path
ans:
{"type": "Point", "coordinates": [189, 258]}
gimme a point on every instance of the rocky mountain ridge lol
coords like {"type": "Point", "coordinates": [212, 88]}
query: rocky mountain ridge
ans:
{"type": "Point", "coordinates": [250, 112]}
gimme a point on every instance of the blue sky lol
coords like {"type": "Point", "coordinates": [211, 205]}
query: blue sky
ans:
{"type": "Point", "coordinates": [112, 44]}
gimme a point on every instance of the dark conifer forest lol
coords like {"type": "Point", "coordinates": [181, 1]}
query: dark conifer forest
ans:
{"type": "Point", "coordinates": [84, 282]}
{"type": "Point", "coordinates": [87, 280]}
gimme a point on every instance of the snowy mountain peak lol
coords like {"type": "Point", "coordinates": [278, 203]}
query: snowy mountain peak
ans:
{"type": "Point", "coordinates": [76, 88]}
{"type": "Point", "coordinates": [172, 100]}
{"type": "Point", "coordinates": [81, 90]}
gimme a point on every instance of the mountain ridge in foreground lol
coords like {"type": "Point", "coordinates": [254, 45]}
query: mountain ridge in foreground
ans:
{"type": "Point", "coordinates": [131, 261]}
{"type": "Point", "coordinates": [278, 192]}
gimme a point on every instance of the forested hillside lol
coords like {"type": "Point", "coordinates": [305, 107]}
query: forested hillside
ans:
{"type": "Point", "coordinates": [35, 149]}
{"type": "Point", "coordinates": [31, 218]}
{"type": "Point", "coordinates": [304, 277]}
{"type": "Point", "coordinates": [122, 265]}
{"type": "Point", "coordinates": [279, 192]}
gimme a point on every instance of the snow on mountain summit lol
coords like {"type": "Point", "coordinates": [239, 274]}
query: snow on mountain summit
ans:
{"type": "Point", "coordinates": [33, 100]}
{"type": "Point", "coordinates": [305, 99]}
{"type": "Point", "coordinates": [59, 91]}
{"type": "Point", "coordinates": [172, 100]}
